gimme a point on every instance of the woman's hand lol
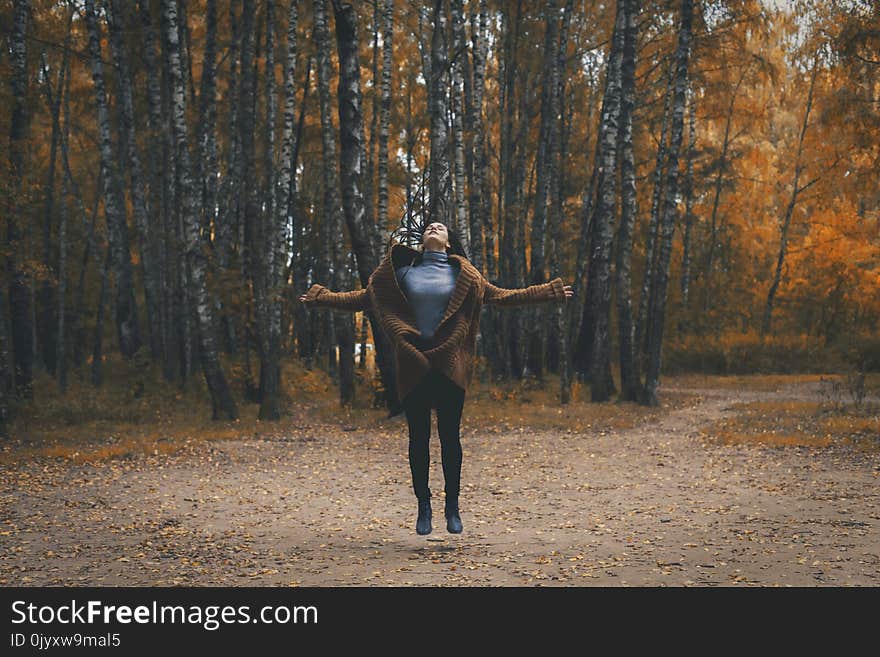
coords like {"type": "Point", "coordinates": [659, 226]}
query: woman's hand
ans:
{"type": "Point", "coordinates": [311, 295]}
{"type": "Point", "coordinates": [568, 291]}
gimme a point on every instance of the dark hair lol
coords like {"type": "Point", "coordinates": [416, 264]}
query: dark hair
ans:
{"type": "Point", "coordinates": [455, 245]}
{"type": "Point", "coordinates": [416, 217]}
{"type": "Point", "coordinates": [412, 236]}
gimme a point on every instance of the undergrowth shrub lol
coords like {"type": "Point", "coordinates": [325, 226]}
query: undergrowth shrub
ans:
{"type": "Point", "coordinates": [749, 353]}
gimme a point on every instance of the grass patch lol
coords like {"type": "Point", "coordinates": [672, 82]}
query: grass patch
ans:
{"type": "Point", "coordinates": [136, 413]}
{"type": "Point", "coordinates": [511, 405]}
{"type": "Point", "coordinates": [759, 382]}
{"type": "Point", "coordinates": [783, 423]}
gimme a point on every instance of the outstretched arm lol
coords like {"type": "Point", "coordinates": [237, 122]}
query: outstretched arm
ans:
{"type": "Point", "coordinates": [351, 301]}
{"type": "Point", "coordinates": [555, 290]}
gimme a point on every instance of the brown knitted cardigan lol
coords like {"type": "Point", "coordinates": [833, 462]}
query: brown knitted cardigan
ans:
{"type": "Point", "coordinates": [452, 348]}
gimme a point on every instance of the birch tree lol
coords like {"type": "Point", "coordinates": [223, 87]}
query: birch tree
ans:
{"type": "Point", "coordinates": [480, 195]}
{"type": "Point", "coordinates": [651, 246]}
{"type": "Point", "coordinates": [20, 308]}
{"type": "Point", "coordinates": [61, 349]}
{"type": "Point", "coordinates": [657, 310]}
{"type": "Point", "coordinates": [687, 238]}
{"type": "Point", "coordinates": [387, 23]}
{"type": "Point", "coordinates": [116, 15]}
{"type": "Point", "coordinates": [547, 134]}
{"type": "Point", "coordinates": [563, 110]}
{"type": "Point", "coordinates": [276, 247]}
{"type": "Point", "coordinates": [458, 65]}
{"type": "Point", "coordinates": [599, 285]}
{"type": "Point", "coordinates": [343, 324]}
{"type": "Point", "coordinates": [223, 405]}
{"type": "Point", "coordinates": [127, 326]}
{"type": "Point", "coordinates": [363, 233]}
{"type": "Point", "coordinates": [440, 173]}
{"type": "Point", "coordinates": [628, 207]}
{"type": "Point", "coordinates": [796, 189]}
{"type": "Point", "coordinates": [206, 170]}
{"type": "Point", "coordinates": [160, 188]}
{"type": "Point", "coordinates": [45, 305]}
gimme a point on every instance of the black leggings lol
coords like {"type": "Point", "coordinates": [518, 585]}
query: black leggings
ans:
{"type": "Point", "coordinates": [435, 390]}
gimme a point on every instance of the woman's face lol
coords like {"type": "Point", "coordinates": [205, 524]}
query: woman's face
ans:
{"type": "Point", "coordinates": [435, 237]}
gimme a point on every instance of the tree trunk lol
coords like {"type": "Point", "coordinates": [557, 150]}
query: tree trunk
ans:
{"type": "Point", "coordinates": [482, 233]}
{"type": "Point", "coordinates": [719, 175]}
{"type": "Point", "coordinates": [229, 217]}
{"type": "Point", "coordinates": [362, 332]}
{"type": "Point", "coordinates": [266, 246]}
{"type": "Point", "coordinates": [579, 321]}
{"type": "Point", "coordinates": [116, 14]}
{"type": "Point", "coordinates": [127, 325]}
{"type": "Point", "coordinates": [458, 65]}
{"type": "Point", "coordinates": [440, 179]}
{"type": "Point", "coordinates": [657, 311]}
{"type": "Point", "coordinates": [384, 22]}
{"type": "Point", "coordinates": [685, 286]}
{"type": "Point", "coordinates": [350, 155]}
{"type": "Point", "coordinates": [505, 335]}
{"type": "Point", "coordinates": [519, 190]}
{"type": "Point", "coordinates": [376, 92]}
{"type": "Point", "coordinates": [158, 189]}
{"type": "Point", "coordinates": [277, 245]}
{"type": "Point", "coordinates": [578, 311]}
{"type": "Point", "coordinates": [221, 396]}
{"type": "Point", "coordinates": [98, 347]}
{"type": "Point", "coordinates": [61, 349]}
{"type": "Point", "coordinates": [173, 246]}
{"type": "Point", "coordinates": [330, 225]}
{"type": "Point", "coordinates": [546, 142]}
{"type": "Point", "coordinates": [298, 269]}
{"type": "Point", "coordinates": [362, 233]}
{"type": "Point", "coordinates": [629, 385]}
{"type": "Point", "coordinates": [480, 195]}
{"type": "Point", "coordinates": [77, 329]}
{"type": "Point", "coordinates": [651, 249]}
{"type": "Point", "coordinates": [185, 49]}
{"type": "Point", "coordinates": [789, 210]}
{"type": "Point", "coordinates": [559, 333]}
{"type": "Point", "coordinates": [249, 227]}
{"type": "Point", "coordinates": [599, 286]}
{"type": "Point", "coordinates": [269, 152]}
{"type": "Point", "coordinates": [547, 135]}
{"type": "Point", "coordinates": [6, 378]}
{"type": "Point", "coordinates": [206, 168]}
{"type": "Point", "coordinates": [387, 18]}
{"type": "Point", "coordinates": [425, 17]}
{"type": "Point", "coordinates": [46, 324]}
{"type": "Point", "coordinates": [20, 310]}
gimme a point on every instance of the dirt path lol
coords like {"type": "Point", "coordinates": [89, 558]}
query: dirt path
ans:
{"type": "Point", "coordinates": [653, 505]}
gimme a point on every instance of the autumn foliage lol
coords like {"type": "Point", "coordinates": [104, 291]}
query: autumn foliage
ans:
{"type": "Point", "coordinates": [775, 254]}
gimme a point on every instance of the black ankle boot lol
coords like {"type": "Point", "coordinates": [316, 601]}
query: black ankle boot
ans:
{"type": "Point", "coordinates": [453, 521]}
{"type": "Point", "coordinates": [423, 524]}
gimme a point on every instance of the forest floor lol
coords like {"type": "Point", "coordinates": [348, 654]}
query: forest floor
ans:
{"type": "Point", "coordinates": [731, 481]}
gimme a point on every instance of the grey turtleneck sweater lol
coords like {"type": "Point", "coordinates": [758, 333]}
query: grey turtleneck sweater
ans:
{"type": "Point", "coordinates": [428, 286]}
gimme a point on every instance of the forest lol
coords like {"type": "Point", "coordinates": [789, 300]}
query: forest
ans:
{"type": "Point", "coordinates": [178, 172]}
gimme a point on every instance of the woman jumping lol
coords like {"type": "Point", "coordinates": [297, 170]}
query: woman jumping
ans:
{"type": "Point", "coordinates": [428, 303]}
